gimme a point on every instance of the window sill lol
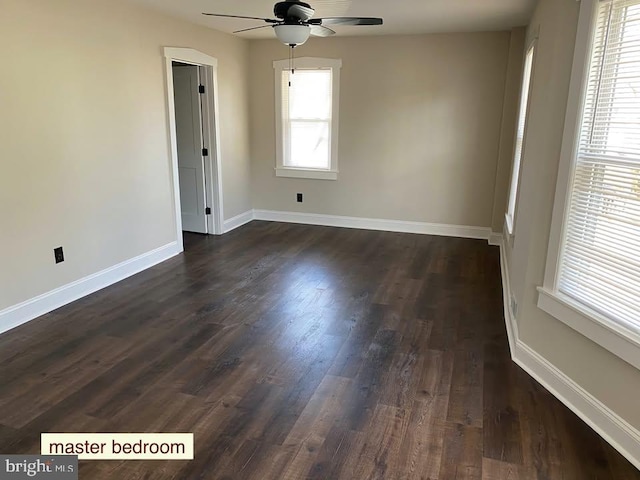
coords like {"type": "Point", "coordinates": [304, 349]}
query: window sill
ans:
{"type": "Point", "coordinates": [306, 173]}
{"type": "Point", "coordinates": [508, 221]}
{"type": "Point", "coordinates": [619, 339]}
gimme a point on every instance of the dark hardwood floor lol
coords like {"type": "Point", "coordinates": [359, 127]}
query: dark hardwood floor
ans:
{"type": "Point", "coordinates": [300, 352]}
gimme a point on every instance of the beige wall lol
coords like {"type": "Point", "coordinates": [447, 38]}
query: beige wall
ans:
{"type": "Point", "coordinates": [419, 132]}
{"type": "Point", "coordinates": [83, 136]}
{"type": "Point", "coordinates": [611, 380]}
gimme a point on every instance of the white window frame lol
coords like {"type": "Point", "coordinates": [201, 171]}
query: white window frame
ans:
{"type": "Point", "coordinates": [308, 63]}
{"type": "Point", "coordinates": [516, 165]}
{"type": "Point", "coordinates": [614, 336]}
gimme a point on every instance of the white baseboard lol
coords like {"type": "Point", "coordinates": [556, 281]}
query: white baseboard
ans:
{"type": "Point", "coordinates": [509, 318]}
{"type": "Point", "coordinates": [374, 224]}
{"type": "Point", "coordinates": [28, 310]}
{"type": "Point", "coordinates": [610, 426]}
{"type": "Point", "coordinates": [237, 221]}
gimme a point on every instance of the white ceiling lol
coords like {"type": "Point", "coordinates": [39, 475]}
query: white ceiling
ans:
{"type": "Point", "coordinates": [400, 16]}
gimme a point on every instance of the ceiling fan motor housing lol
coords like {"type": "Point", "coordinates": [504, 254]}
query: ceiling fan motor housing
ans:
{"type": "Point", "coordinates": [283, 11]}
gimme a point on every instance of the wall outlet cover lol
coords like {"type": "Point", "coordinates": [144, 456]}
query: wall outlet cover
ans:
{"type": "Point", "coordinates": [58, 254]}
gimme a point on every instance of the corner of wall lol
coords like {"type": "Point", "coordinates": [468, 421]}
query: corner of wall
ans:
{"type": "Point", "coordinates": [621, 435]}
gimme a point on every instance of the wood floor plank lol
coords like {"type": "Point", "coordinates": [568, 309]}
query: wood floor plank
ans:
{"type": "Point", "coordinates": [501, 426]}
{"type": "Point", "coordinates": [380, 454]}
{"type": "Point", "coordinates": [496, 470]}
{"type": "Point", "coordinates": [462, 452]}
{"type": "Point", "coordinates": [321, 412]}
{"type": "Point", "coordinates": [300, 352]}
{"type": "Point", "coordinates": [465, 397]}
{"type": "Point", "coordinates": [422, 447]}
{"type": "Point", "coordinates": [406, 371]}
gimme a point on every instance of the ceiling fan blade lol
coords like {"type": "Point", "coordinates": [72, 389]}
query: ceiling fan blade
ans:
{"type": "Point", "coordinates": [252, 28]}
{"type": "Point", "coordinates": [300, 12]}
{"type": "Point", "coordinates": [321, 31]}
{"type": "Point", "coordinates": [346, 21]}
{"type": "Point", "coordinates": [268, 20]}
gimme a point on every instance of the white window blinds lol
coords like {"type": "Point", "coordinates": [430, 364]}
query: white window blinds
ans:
{"type": "Point", "coordinates": [306, 107]}
{"type": "Point", "coordinates": [522, 122]}
{"type": "Point", "coordinates": [600, 261]}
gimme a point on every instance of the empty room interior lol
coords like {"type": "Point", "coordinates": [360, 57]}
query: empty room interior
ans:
{"type": "Point", "coordinates": [331, 239]}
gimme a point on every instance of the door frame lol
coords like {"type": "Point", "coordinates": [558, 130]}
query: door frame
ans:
{"type": "Point", "coordinates": [211, 136]}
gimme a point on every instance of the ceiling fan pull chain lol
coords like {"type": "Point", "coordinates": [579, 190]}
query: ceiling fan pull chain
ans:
{"type": "Point", "coordinates": [292, 59]}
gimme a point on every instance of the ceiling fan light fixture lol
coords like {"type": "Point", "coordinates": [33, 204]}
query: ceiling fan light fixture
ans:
{"type": "Point", "coordinates": [292, 34]}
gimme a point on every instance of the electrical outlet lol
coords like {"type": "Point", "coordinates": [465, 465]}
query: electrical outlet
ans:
{"type": "Point", "coordinates": [514, 307]}
{"type": "Point", "coordinates": [58, 254]}
{"type": "Point", "coordinates": [299, 197]}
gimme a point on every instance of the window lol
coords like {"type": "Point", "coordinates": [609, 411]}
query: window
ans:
{"type": "Point", "coordinates": [522, 123]}
{"type": "Point", "coordinates": [594, 259]}
{"type": "Point", "coordinates": [307, 118]}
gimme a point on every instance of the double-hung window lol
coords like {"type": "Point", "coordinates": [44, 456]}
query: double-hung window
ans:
{"type": "Point", "coordinates": [307, 118]}
{"type": "Point", "coordinates": [519, 143]}
{"type": "Point", "coordinates": [592, 281]}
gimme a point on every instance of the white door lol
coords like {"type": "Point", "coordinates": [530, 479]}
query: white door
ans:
{"type": "Point", "coordinates": [186, 83]}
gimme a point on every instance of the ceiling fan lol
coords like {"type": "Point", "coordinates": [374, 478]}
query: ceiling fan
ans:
{"type": "Point", "coordinates": [294, 23]}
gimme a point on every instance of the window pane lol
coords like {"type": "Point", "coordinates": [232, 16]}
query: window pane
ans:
{"type": "Point", "coordinates": [612, 116]}
{"type": "Point", "coordinates": [309, 144]}
{"type": "Point", "coordinates": [600, 264]}
{"type": "Point", "coordinates": [309, 94]}
{"type": "Point", "coordinates": [307, 105]}
{"type": "Point", "coordinates": [522, 121]}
